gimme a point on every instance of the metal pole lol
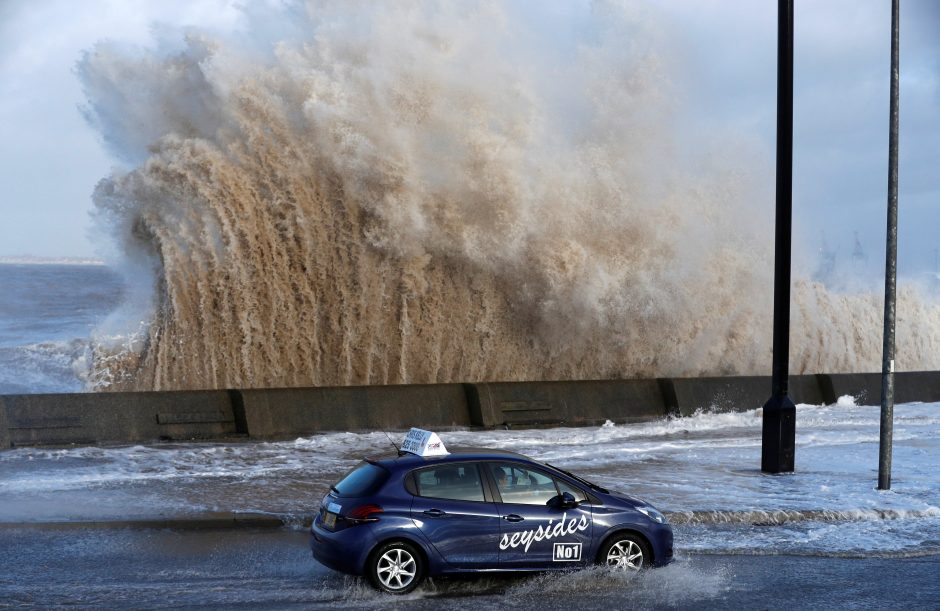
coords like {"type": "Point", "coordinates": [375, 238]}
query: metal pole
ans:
{"type": "Point", "coordinates": [779, 423]}
{"type": "Point", "coordinates": [891, 271]}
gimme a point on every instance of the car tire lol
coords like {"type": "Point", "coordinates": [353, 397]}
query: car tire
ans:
{"type": "Point", "coordinates": [626, 551]}
{"type": "Point", "coordinates": [396, 568]}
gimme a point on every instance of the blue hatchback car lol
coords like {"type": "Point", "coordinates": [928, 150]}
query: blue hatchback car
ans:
{"type": "Point", "coordinates": [427, 512]}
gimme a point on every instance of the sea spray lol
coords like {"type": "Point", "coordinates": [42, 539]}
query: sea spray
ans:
{"type": "Point", "coordinates": [422, 192]}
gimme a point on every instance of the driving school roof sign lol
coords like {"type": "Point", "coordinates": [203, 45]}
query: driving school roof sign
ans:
{"type": "Point", "coordinates": [423, 443]}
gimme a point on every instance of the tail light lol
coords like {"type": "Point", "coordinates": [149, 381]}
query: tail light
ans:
{"type": "Point", "coordinates": [364, 513]}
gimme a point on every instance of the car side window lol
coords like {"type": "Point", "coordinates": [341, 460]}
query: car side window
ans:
{"type": "Point", "coordinates": [456, 482]}
{"type": "Point", "coordinates": [518, 484]}
{"type": "Point", "coordinates": [575, 492]}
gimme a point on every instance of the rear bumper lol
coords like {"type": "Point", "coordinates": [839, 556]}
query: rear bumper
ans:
{"type": "Point", "coordinates": [345, 550]}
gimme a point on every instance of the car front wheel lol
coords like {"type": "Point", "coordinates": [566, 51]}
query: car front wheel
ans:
{"type": "Point", "coordinates": [627, 552]}
{"type": "Point", "coordinates": [396, 568]}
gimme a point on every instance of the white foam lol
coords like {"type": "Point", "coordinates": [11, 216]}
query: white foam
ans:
{"type": "Point", "coordinates": [846, 401]}
{"type": "Point", "coordinates": [704, 466]}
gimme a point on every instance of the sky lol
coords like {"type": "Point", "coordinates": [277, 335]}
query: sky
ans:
{"type": "Point", "coordinates": [50, 159]}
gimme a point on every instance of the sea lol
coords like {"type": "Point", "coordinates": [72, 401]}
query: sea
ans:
{"type": "Point", "coordinates": [48, 314]}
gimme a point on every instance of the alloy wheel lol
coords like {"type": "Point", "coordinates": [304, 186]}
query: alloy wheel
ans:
{"type": "Point", "coordinates": [626, 555]}
{"type": "Point", "coordinates": [396, 569]}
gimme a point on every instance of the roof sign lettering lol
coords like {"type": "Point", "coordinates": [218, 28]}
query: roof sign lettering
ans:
{"type": "Point", "coordinates": [423, 443]}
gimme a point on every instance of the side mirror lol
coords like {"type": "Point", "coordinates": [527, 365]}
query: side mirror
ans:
{"type": "Point", "coordinates": [565, 500]}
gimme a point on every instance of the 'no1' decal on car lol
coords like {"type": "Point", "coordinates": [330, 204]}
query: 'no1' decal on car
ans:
{"type": "Point", "coordinates": [550, 531]}
{"type": "Point", "coordinates": [566, 552]}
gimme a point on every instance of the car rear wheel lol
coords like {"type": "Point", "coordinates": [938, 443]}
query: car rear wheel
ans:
{"type": "Point", "coordinates": [627, 552]}
{"type": "Point", "coordinates": [396, 568]}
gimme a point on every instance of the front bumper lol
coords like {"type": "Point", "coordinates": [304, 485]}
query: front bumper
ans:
{"type": "Point", "coordinates": [661, 540]}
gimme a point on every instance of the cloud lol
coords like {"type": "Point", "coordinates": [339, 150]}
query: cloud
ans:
{"type": "Point", "coordinates": [726, 77]}
{"type": "Point", "coordinates": [50, 158]}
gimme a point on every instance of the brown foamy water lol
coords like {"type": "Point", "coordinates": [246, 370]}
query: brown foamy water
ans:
{"type": "Point", "coordinates": [413, 193]}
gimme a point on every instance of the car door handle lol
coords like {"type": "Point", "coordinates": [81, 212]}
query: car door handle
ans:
{"type": "Point", "coordinates": [513, 518]}
{"type": "Point", "coordinates": [434, 513]}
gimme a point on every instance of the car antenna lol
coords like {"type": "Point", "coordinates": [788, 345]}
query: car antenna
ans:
{"type": "Point", "coordinates": [394, 445]}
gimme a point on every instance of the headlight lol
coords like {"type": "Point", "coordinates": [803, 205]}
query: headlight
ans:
{"type": "Point", "coordinates": [651, 513]}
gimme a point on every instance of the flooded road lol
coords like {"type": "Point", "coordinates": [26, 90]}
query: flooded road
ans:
{"type": "Point", "coordinates": [273, 569]}
{"type": "Point", "coordinates": [820, 537]}
{"type": "Point", "coordinates": [702, 470]}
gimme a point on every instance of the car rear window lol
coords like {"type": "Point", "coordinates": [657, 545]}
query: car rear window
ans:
{"type": "Point", "coordinates": [365, 479]}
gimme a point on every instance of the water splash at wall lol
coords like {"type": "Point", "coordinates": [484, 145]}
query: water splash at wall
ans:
{"type": "Point", "coordinates": [423, 193]}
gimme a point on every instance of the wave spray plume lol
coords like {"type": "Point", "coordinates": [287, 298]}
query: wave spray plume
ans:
{"type": "Point", "coordinates": [365, 193]}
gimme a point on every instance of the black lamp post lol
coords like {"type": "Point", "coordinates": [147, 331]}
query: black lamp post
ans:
{"type": "Point", "coordinates": [779, 430]}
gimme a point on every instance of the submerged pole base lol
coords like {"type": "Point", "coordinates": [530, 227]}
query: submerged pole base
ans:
{"type": "Point", "coordinates": [779, 436]}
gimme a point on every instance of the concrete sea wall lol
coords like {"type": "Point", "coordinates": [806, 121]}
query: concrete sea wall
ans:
{"type": "Point", "coordinates": [280, 413]}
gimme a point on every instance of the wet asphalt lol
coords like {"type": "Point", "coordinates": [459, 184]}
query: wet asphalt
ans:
{"type": "Point", "coordinates": [272, 568]}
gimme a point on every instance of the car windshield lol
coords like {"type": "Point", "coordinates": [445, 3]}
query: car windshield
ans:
{"type": "Point", "coordinates": [581, 479]}
{"type": "Point", "coordinates": [361, 481]}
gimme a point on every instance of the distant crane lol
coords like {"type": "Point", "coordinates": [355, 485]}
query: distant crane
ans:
{"type": "Point", "coordinates": [936, 270]}
{"type": "Point", "coordinates": [859, 256]}
{"type": "Point", "coordinates": [825, 271]}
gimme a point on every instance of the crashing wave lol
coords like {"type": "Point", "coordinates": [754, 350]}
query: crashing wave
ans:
{"type": "Point", "coordinates": [427, 192]}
